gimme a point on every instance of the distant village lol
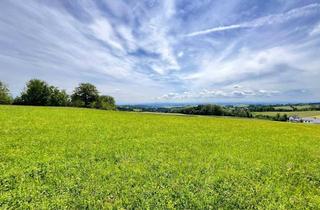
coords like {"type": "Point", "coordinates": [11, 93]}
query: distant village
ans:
{"type": "Point", "coordinates": [312, 120]}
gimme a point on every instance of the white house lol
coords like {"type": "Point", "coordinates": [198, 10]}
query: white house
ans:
{"type": "Point", "coordinates": [297, 119]}
{"type": "Point", "coordinates": [313, 120]}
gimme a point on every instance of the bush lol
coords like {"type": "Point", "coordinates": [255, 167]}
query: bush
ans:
{"type": "Point", "coordinates": [17, 101]}
{"type": "Point", "coordinates": [77, 103]}
{"type": "Point", "coordinates": [105, 102]}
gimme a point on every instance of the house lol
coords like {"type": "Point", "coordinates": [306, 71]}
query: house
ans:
{"type": "Point", "coordinates": [312, 120]}
{"type": "Point", "coordinates": [295, 119]}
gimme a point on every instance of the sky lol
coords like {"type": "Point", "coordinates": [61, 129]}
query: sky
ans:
{"type": "Point", "coordinates": [159, 51]}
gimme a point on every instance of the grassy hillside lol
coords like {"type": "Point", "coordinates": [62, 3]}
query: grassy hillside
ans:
{"type": "Point", "coordinates": [298, 113]}
{"type": "Point", "coordinates": [78, 158]}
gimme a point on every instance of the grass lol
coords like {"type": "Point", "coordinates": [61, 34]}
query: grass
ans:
{"type": "Point", "coordinates": [80, 158]}
{"type": "Point", "coordinates": [298, 113]}
{"type": "Point", "coordinates": [289, 108]}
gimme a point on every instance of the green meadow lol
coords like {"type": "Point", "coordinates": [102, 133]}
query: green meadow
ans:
{"type": "Point", "coordinates": [57, 158]}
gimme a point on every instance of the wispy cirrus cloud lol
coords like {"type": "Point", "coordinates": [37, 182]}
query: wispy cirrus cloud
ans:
{"type": "Point", "coordinates": [267, 20]}
{"type": "Point", "coordinates": [134, 50]}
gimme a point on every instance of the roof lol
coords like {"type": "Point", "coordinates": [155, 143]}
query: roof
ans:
{"type": "Point", "coordinates": [311, 119]}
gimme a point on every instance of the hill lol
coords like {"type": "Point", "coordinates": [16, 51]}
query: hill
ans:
{"type": "Point", "coordinates": [81, 158]}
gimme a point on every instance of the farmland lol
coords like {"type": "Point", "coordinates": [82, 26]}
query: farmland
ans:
{"type": "Point", "coordinates": [296, 107]}
{"type": "Point", "coordinates": [81, 158]}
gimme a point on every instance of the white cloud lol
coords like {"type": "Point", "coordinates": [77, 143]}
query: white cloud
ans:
{"type": "Point", "coordinates": [246, 63]}
{"type": "Point", "coordinates": [223, 93]}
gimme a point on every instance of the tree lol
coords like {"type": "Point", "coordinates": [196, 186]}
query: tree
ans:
{"type": "Point", "coordinates": [37, 92]}
{"type": "Point", "coordinates": [210, 109]}
{"type": "Point", "coordinates": [105, 102]}
{"type": "Point", "coordinates": [58, 97]}
{"type": "Point", "coordinates": [241, 112]}
{"type": "Point", "coordinates": [85, 95]}
{"type": "Point", "coordinates": [17, 101]}
{"type": "Point", "coordinates": [5, 97]}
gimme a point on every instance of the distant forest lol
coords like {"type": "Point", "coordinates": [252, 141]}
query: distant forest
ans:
{"type": "Point", "coordinates": [230, 110]}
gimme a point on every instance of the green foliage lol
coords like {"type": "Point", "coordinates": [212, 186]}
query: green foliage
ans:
{"type": "Point", "coordinates": [37, 93]}
{"type": "Point", "coordinates": [105, 102]}
{"type": "Point", "coordinates": [86, 93]}
{"type": "Point", "coordinates": [207, 109]}
{"type": "Point", "coordinates": [69, 158]}
{"type": "Point", "coordinates": [77, 103]}
{"type": "Point", "coordinates": [18, 101]}
{"type": "Point", "coordinates": [280, 117]}
{"type": "Point", "coordinates": [5, 97]}
{"type": "Point", "coordinates": [261, 108]}
{"type": "Point", "coordinates": [212, 109]}
{"type": "Point", "coordinates": [285, 107]}
{"type": "Point", "coordinates": [58, 97]}
{"type": "Point", "coordinates": [241, 112]}
{"type": "Point", "coordinates": [277, 117]}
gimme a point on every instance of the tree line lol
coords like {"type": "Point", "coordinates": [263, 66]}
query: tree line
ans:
{"type": "Point", "coordinates": [213, 109]}
{"type": "Point", "coordinates": [277, 117]}
{"type": "Point", "coordinates": [285, 107]}
{"type": "Point", "coordinates": [202, 109]}
{"type": "Point", "coordinates": [40, 93]}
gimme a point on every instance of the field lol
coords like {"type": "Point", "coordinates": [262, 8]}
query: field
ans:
{"type": "Point", "coordinates": [290, 108]}
{"type": "Point", "coordinates": [298, 113]}
{"type": "Point", "coordinates": [80, 158]}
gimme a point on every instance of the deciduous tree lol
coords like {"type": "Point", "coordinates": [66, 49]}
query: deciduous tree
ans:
{"type": "Point", "coordinates": [84, 95]}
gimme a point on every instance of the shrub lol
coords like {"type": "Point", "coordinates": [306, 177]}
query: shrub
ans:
{"type": "Point", "coordinates": [105, 102]}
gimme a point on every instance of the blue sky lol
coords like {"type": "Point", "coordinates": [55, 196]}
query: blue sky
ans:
{"type": "Point", "coordinates": [166, 50]}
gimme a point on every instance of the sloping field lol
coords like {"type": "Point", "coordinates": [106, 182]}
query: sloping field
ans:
{"type": "Point", "coordinates": [298, 113]}
{"type": "Point", "coordinates": [81, 158]}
